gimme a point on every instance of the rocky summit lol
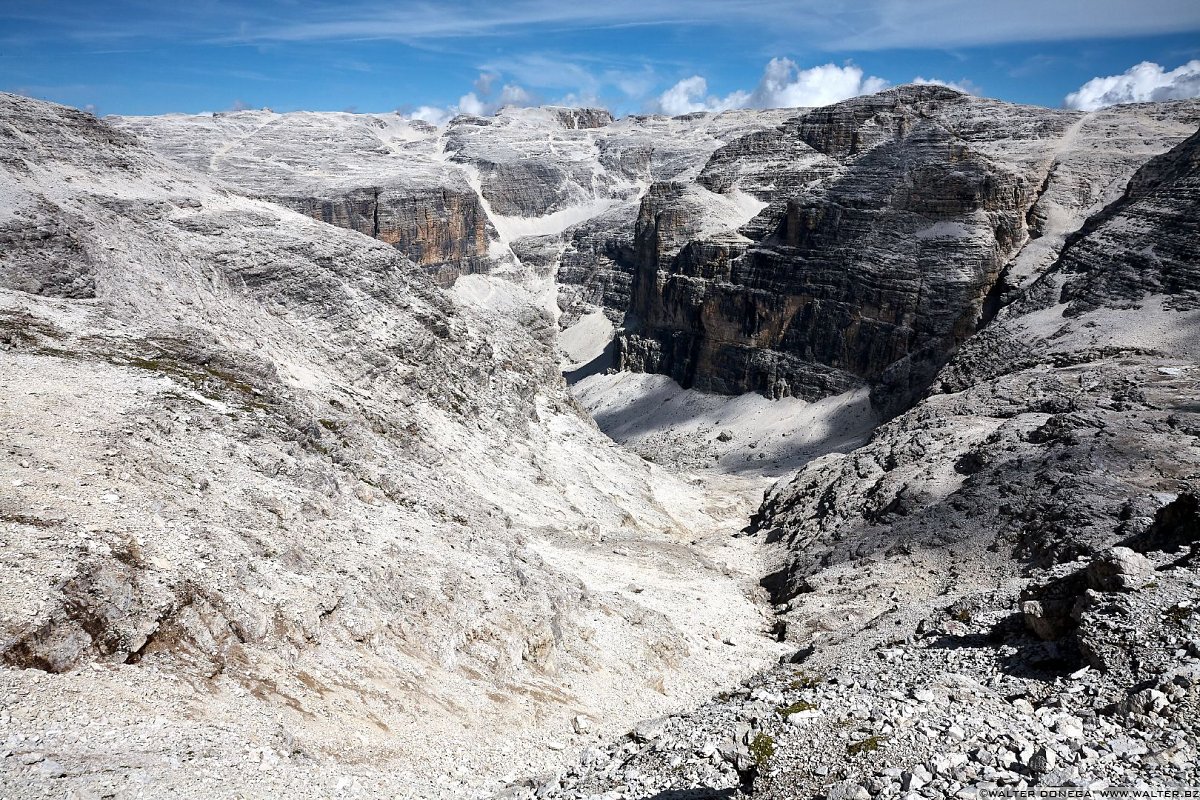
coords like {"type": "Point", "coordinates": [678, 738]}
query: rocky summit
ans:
{"type": "Point", "coordinates": [843, 452]}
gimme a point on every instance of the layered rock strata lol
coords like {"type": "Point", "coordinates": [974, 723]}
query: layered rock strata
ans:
{"type": "Point", "coordinates": [891, 225]}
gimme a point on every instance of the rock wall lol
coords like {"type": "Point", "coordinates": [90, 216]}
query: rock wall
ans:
{"type": "Point", "coordinates": [379, 175]}
{"type": "Point", "coordinates": [891, 221]}
{"type": "Point", "coordinates": [1061, 429]}
{"type": "Point", "coordinates": [443, 230]}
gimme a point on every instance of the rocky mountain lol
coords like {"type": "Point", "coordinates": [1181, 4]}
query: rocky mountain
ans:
{"type": "Point", "coordinates": [378, 174]}
{"type": "Point", "coordinates": [1000, 589]}
{"type": "Point", "coordinates": [786, 252]}
{"type": "Point", "coordinates": [894, 225]}
{"type": "Point", "coordinates": [560, 186]}
{"type": "Point", "coordinates": [275, 502]}
{"type": "Point", "coordinates": [900, 497]}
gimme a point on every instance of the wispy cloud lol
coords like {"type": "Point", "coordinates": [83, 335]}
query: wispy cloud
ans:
{"type": "Point", "coordinates": [952, 23]}
{"type": "Point", "coordinates": [835, 25]}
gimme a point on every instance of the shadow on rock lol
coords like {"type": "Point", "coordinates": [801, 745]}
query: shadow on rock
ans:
{"type": "Point", "coordinates": [699, 793]}
{"type": "Point", "coordinates": [1030, 658]}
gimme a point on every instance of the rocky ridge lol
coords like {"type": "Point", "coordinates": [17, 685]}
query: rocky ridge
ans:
{"type": "Point", "coordinates": [894, 224]}
{"type": "Point", "coordinates": [557, 187]}
{"type": "Point", "coordinates": [377, 174]}
{"type": "Point", "coordinates": [281, 516]}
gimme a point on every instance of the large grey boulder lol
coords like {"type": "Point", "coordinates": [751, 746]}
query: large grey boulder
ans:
{"type": "Point", "coordinates": [1120, 569]}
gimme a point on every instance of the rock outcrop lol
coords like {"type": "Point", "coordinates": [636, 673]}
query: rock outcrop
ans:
{"type": "Point", "coordinates": [891, 223]}
{"type": "Point", "coordinates": [377, 174]}
{"type": "Point", "coordinates": [1059, 430]}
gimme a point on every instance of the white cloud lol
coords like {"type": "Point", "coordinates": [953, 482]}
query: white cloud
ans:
{"type": "Point", "coordinates": [483, 84]}
{"type": "Point", "coordinates": [483, 101]}
{"type": "Point", "coordinates": [469, 103]}
{"type": "Point", "coordinates": [834, 26]}
{"type": "Point", "coordinates": [691, 94]}
{"type": "Point", "coordinates": [783, 85]}
{"type": "Point", "coordinates": [963, 85]}
{"type": "Point", "coordinates": [583, 99]}
{"type": "Point", "coordinates": [433, 115]}
{"type": "Point", "coordinates": [1142, 83]}
{"type": "Point", "coordinates": [513, 95]}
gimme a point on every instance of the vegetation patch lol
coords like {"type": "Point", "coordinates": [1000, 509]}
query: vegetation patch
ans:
{"type": "Point", "coordinates": [1179, 612]}
{"type": "Point", "coordinates": [208, 380]}
{"type": "Point", "coordinates": [25, 519]}
{"type": "Point", "coordinates": [798, 706]}
{"type": "Point", "coordinates": [762, 747]}
{"type": "Point", "coordinates": [803, 680]}
{"type": "Point", "coordinates": [865, 746]}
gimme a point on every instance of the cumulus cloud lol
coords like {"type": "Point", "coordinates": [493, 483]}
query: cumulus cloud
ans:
{"type": "Point", "coordinates": [963, 85]}
{"type": "Point", "coordinates": [691, 94]}
{"type": "Point", "coordinates": [1142, 83]}
{"type": "Point", "coordinates": [470, 103]}
{"type": "Point", "coordinates": [513, 95]}
{"type": "Point", "coordinates": [433, 115]}
{"type": "Point", "coordinates": [483, 84]}
{"type": "Point", "coordinates": [783, 85]}
{"type": "Point", "coordinates": [483, 101]}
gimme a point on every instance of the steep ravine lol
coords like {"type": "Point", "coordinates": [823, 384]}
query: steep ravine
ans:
{"type": "Point", "coordinates": [889, 222]}
{"type": "Point", "coordinates": [961, 618]}
{"type": "Point", "coordinates": [282, 517]}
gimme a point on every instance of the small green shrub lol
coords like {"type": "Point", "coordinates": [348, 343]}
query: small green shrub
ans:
{"type": "Point", "coordinates": [762, 747]}
{"type": "Point", "coordinates": [805, 681]}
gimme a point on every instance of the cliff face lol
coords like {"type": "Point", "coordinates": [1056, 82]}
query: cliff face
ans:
{"type": "Point", "coordinates": [379, 175]}
{"type": "Point", "coordinates": [891, 220]}
{"type": "Point", "coordinates": [566, 195]}
{"type": "Point", "coordinates": [1143, 244]}
{"type": "Point", "coordinates": [1064, 427]}
{"type": "Point", "coordinates": [444, 230]}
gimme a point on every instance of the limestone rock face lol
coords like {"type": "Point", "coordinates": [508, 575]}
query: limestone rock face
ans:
{"type": "Point", "coordinates": [890, 225]}
{"type": "Point", "coordinates": [1063, 428]}
{"type": "Point", "coordinates": [566, 196]}
{"type": "Point", "coordinates": [558, 187]}
{"type": "Point", "coordinates": [1145, 243]}
{"type": "Point", "coordinates": [379, 175]}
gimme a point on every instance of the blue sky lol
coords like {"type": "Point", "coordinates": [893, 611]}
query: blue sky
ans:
{"type": "Point", "coordinates": [436, 58]}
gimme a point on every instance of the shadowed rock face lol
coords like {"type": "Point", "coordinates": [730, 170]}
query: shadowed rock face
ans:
{"type": "Point", "coordinates": [1062, 428]}
{"type": "Point", "coordinates": [443, 230]}
{"type": "Point", "coordinates": [891, 221]}
{"type": "Point", "coordinates": [1145, 243]}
